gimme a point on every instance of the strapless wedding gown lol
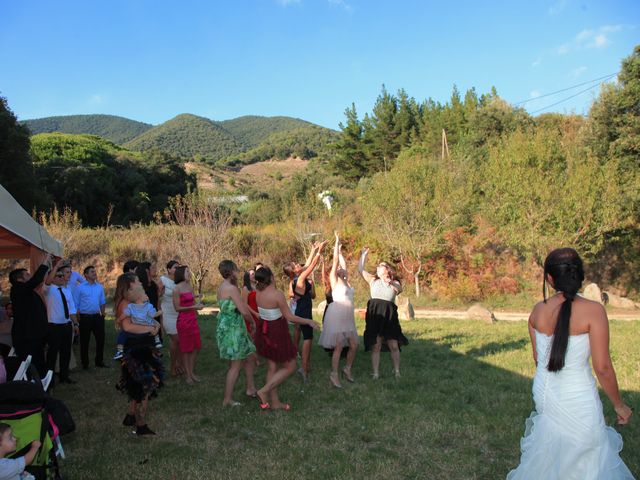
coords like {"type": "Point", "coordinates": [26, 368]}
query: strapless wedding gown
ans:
{"type": "Point", "coordinates": [566, 437]}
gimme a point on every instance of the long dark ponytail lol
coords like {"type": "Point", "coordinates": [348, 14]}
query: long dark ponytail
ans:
{"type": "Point", "coordinates": [564, 265]}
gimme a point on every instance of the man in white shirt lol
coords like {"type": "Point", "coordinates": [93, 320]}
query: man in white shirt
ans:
{"type": "Point", "coordinates": [90, 303]}
{"type": "Point", "coordinates": [61, 313]}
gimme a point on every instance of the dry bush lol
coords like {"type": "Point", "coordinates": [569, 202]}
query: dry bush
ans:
{"type": "Point", "coordinates": [472, 267]}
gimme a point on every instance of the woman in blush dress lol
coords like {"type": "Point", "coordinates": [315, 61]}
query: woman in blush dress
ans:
{"type": "Point", "coordinates": [339, 328]}
{"type": "Point", "coordinates": [566, 436]}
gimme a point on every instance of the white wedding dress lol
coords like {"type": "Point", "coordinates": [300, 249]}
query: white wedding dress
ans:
{"type": "Point", "coordinates": [565, 437]}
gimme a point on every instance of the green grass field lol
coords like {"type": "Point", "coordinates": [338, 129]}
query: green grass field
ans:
{"type": "Point", "coordinates": [457, 413]}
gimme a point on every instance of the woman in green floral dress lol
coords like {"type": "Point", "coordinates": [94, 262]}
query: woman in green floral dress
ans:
{"type": "Point", "coordinates": [234, 342]}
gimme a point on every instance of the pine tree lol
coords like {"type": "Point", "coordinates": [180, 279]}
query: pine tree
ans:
{"type": "Point", "coordinates": [350, 160]}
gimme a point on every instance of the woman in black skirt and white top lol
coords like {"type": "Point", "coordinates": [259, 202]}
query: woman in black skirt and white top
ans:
{"type": "Point", "coordinates": [381, 322]}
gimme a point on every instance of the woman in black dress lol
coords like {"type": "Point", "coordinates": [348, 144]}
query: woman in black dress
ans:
{"type": "Point", "coordinates": [382, 327]}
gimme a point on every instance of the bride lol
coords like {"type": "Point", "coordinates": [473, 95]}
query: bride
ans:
{"type": "Point", "coordinates": [566, 436]}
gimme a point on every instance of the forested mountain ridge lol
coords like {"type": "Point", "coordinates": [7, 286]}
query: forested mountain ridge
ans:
{"type": "Point", "coordinates": [252, 130]}
{"type": "Point", "coordinates": [241, 140]}
{"type": "Point", "coordinates": [117, 129]}
{"type": "Point", "coordinates": [190, 136]}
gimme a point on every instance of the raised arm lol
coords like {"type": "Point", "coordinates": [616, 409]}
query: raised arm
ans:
{"type": "Point", "coordinates": [38, 277]}
{"type": "Point", "coordinates": [602, 365]}
{"type": "Point", "coordinates": [307, 271]}
{"type": "Point", "coordinates": [363, 258]}
{"type": "Point", "coordinates": [52, 272]}
{"type": "Point", "coordinates": [342, 261]}
{"type": "Point", "coordinates": [333, 277]}
{"type": "Point", "coordinates": [312, 254]}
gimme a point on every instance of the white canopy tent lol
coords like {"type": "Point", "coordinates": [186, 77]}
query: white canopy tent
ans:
{"type": "Point", "coordinates": [21, 236]}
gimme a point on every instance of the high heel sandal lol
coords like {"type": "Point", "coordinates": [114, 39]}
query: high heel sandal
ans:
{"type": "Point", "coordinates": [333, 378]}
{"type": "Point", "coordinates": [263, 405]}
{"type": "Point", "coordinates": [347, 374]}
{"type": "Point", "coordinates": [396, 373]}
{"type": "Point", "coordinates": [375, 376]}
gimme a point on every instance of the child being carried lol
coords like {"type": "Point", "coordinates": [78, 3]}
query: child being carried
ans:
{"type": "Point", "coordinates": [142, 313]}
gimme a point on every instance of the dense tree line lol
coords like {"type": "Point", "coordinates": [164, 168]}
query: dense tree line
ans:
{"type": "Point", "coordinates": [540, 182]}
{"type": "Point", "coordinates": [103, 181]}
{"type": "Point", "coordinates": [16, 166]}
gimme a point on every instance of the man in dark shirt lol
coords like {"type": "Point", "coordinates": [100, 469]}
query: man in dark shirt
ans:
{"type": "Point", "coordinates": [29, 329]}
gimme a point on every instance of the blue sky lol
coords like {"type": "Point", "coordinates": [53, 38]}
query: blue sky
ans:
{"type": "Point", "coordinates": [151, 60]}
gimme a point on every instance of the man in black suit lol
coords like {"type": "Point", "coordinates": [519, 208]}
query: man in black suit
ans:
{"type": "Point", "coordinates": [29, 329]}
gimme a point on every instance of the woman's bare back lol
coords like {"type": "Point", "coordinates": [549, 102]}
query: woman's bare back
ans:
{"type": "Point", "coordinates": [545, 315]}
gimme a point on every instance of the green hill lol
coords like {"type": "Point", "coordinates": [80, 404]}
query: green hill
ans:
{"type": "Point", "coordinates": [117, 129]}
{"type": "Point", "coordinates": [252, 130]}
{"type": "Point", "coordinates": [241, 140]}
{"type": "Point", "coordinates": [189, 136]}
{"type": "Point", "coordinates": [307, 142]}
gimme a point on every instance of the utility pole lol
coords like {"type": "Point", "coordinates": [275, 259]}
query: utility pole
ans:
{"type": "Point", "coordinates": [445, 144]}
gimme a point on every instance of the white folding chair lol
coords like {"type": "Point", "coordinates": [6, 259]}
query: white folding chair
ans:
{"type": "Point", "coordinates": [46, 381]}
{"type": "Point", "coordinates": [21, 374]}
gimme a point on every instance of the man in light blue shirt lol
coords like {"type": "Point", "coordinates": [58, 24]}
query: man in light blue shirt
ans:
{"type": "Point", "coordinates": [90, 302]}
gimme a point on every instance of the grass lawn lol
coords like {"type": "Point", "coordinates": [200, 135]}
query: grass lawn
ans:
{"type": "Point", "coordinates": [457, 413]}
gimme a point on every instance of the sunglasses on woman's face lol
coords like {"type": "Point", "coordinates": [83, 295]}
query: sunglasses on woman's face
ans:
{"type": "Point", "coordinates": [60, 275]}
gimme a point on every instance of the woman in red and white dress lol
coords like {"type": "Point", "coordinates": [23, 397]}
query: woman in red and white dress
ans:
{"type": "Point", "coordinates": [273, 340]}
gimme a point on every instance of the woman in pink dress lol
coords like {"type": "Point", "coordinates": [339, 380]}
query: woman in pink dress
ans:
{"type": "Point", "coordinates": [185, 304]}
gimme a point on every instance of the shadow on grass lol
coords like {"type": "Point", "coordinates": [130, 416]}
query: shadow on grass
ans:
{"type": "Point", "coordinates": [452, 415]}
{"type": "Point", "coordinates": [497, 348]}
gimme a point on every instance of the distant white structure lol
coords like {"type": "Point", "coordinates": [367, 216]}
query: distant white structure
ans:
{"type": "Point", "coordinates": [229, 199]}
{"type": "Point", "coordinates": [326, 197]}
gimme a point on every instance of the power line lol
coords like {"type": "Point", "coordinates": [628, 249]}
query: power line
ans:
{"type": "Point", "coordinates": [565, 99]}
{"type": "Point", "coordinates": [605, 77]}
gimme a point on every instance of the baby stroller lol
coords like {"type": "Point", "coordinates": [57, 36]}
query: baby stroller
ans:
{"type": "Point", "coordinates": [33, 415]}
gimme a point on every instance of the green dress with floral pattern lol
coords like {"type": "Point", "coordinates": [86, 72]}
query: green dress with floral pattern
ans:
{"type": "Point", "coordinates": [234, 342]}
